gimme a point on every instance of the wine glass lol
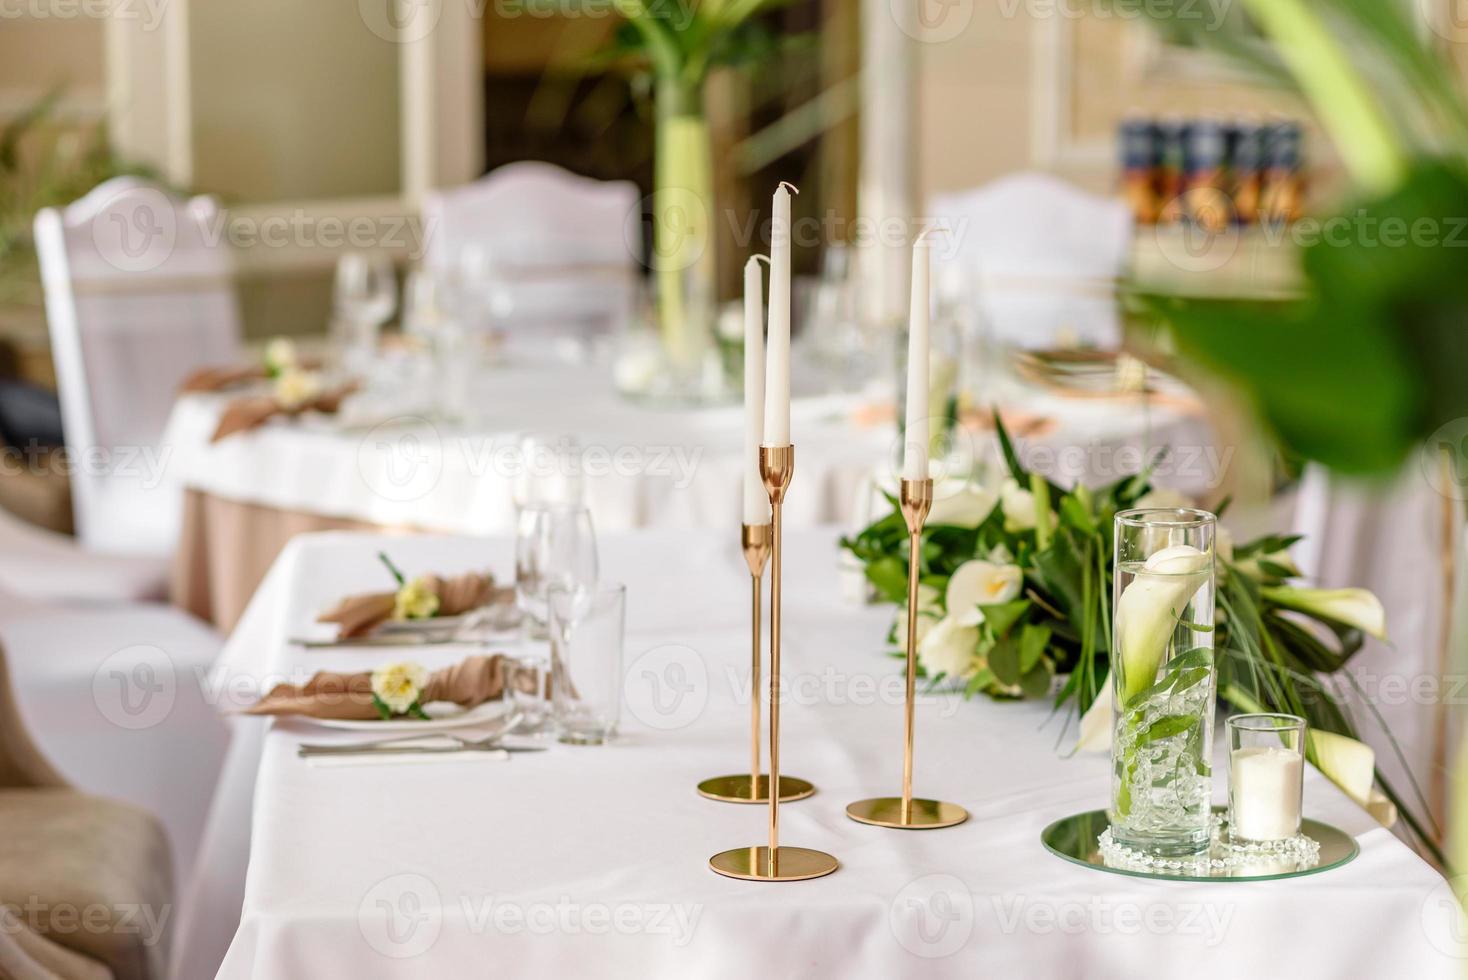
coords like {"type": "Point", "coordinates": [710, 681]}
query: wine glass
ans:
{"type": "Point", "coordinates": [555, 547]}
{"type": "Point", "coordinates": [364, 298]}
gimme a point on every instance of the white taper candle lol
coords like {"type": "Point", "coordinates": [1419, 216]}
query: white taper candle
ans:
{"type": "Point", "coordinates": [756, 499]}
{"type": "Point", "coordinates": [777, 363]}
{"type": "Point", "coordinates": [915, 441]}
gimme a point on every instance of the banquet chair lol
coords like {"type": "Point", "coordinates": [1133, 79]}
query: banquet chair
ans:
{"type": "Point", "coordinates": [139, 293]}
{"type": "Point", "coordinates": [40, 564]}
{"type": "Point", "coordinates": [533, 247]}
{"type": "Point", "coordinates": [1037, 256]}
{"type": "Point", "coordinates": [68, 857]}
{"type": "Point", "coordinates": [117, 698]}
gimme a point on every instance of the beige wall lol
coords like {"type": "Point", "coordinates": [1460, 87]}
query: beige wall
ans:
{"type": "Point", "coordinates": [38, 54]}
{"type": "Point", "coordinates": [1017, 90]}
{"type": "Point", "coordinates": [291, 99]}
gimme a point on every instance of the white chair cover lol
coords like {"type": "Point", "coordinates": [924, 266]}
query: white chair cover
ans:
{"type": "Point", "coordinates": [1388, 539]}
{"type": "Point", "coordinates": [561, 250]}
{"type": "Point", "coordinates": [39, 564]}
{"type": "Point", "coordinates": [1038, 256]}
{"type": "Point", "coordinates": [139, 293]}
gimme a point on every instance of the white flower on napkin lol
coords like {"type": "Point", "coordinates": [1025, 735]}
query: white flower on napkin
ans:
{"type": "Point", "coordinates": [294, 388]}
{"type": "Point", "coordinates": [398, 686]}
{"type": "Point", "coordinates": [280, 356]}
{"type": "Point", "coordinates": [415, 600]}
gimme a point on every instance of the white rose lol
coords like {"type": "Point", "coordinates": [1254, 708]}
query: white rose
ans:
{"type": "Point", "coordinates": [399, 685]}
{"type": "Point", "coordinates": [981, 583]}
{"type": "Point", "coordinates": [295, 388]}
{"type": "Point", "coordinates": [949, 649]}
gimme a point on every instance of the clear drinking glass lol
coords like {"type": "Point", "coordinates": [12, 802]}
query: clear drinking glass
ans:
{"type": "Point", "coordinates": [555, 544]}
{"type": "Point", "coordinates": [1266, 776]}
{"type": "Point", "coordinates": [364, 298]}
{"type": "Point", "coordinates": [1163, 679]}
{"type": "Point", "coordinates": [586, 626]}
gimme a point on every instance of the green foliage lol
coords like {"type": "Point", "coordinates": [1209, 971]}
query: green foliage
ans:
{"type": "Point", "coordinates": [41, 167]}
{"type": "Point", "coordinates": [1358, 372]}
{"type": "Point", "coordinates": [1269, 657]}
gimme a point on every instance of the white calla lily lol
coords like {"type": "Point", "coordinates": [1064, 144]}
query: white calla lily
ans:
{"type": "Point", "coordinates": [928, 615]}
{"type": "Point", "coordinates": [981, 583]}
{"type": "Point", "coordinates": [1096, 723]}
{"type": "Point", "coordinates": [1351, 765]}
{"type": "Point", "coordinates": [1163, 498]}
{"type": "Point", "coordinates": [1149, 608]}
{"type": "Point", "coordinates": [1353, 607]}
{"type": "Point", "coordinates": [950, 648]}
{"type": "Point", "coordinates": [1019, 507]}
{"type": "Point", "coordinates": [957, 503]}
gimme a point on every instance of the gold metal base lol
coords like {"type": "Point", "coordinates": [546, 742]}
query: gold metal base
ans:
{"type": "Point", "coordinates": [791, 864]}
{"type": "Point", "coordinates": [886, 811]}
{"type": "Point", "coordinates": [745, 789]}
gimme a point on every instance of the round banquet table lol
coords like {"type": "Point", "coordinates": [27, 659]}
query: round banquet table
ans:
{"type": "Point", "coordinates": [385, 467]}
{"type": "Point", "coordinates": [584, 861]}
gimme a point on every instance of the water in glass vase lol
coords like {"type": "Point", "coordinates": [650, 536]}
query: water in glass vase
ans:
{"type": "Point", "coordinates": [1164, 680]}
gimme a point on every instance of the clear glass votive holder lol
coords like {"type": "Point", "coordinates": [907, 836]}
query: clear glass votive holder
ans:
{"type": "Point", "coordinates": [1266, 777]}
{"type": "Point", "coordinates": [586, 626]}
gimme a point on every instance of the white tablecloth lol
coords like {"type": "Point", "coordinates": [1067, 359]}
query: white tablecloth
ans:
{"type": "Point", "coordinates": [645, 467]}
{"type": "Point", "coordinates": [592, 861]}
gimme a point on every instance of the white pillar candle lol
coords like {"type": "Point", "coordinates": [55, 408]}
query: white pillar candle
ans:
{"type": "Point", "coordinates": [915, 448]}
{"type": "Point", "coordinates": [1264, 789]}
{"type": "Point", "coordinates": [777, 363]}
{"type": "Point", "coordinates": [756, 500]}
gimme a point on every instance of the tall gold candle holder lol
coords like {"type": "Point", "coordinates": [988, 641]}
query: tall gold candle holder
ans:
{"type": "Point", "coordinates": [774, 862]}
{"type": "Point", "coordinates": [752, 787]}
{"type": "Point", "coordinates": [903, 812]}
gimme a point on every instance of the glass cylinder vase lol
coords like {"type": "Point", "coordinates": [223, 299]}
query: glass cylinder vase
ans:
{"type": "Point", "coordinates": [1164, 679]}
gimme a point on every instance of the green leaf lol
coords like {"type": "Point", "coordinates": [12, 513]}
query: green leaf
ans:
{"type": "Point", "coordinates": [1004, 661]}
{"type": "Point", "coordinates": [1166, 727]}
{"type": "Point", "coordinates": [1032, 642]}
{"type": "Point", "coordinates": [889, 575]}
{"type": "Point", "coordinates": [1036, 682]}
{"type": "Point", "coordinates": [1001, 617]}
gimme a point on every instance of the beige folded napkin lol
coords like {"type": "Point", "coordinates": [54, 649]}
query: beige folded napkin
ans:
{"type": "Point", "coordinates": [348, 697]}
{"type": "Point", "coordinates": [244, 414]}
{"type": "Point", "coordinates": [360, 614]}
{"type": "Point", "coordinates": [220, 378]}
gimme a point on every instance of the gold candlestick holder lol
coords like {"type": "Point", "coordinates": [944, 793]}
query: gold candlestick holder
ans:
{"type": "Point", "coordinates": [903, 812]}
{"type": "Point", "coordinates": [774, 862]}
{"type": "Point", "coordinates": [751, 787]}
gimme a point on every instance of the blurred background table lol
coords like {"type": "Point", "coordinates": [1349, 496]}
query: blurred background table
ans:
{"type": "Point", "coordinates": [385, 465]}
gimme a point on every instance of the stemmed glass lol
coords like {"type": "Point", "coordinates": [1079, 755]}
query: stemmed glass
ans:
{"type": "Point", "coordinates": [365, 295]}
{"type": "Point", "coordinates": [555, 547]}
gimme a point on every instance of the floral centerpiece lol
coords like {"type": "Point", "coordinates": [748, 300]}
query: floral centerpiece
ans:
{"type": "Point", "coordinates": [1015, 602]}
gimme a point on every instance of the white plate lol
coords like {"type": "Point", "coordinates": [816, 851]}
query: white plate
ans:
{"type": "Point", "coordinates": [435, 624]}
{"type": "Point", "coordinates": [441, 715]}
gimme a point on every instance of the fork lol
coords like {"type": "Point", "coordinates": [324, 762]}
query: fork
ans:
{"type": "Point", "coordinates": [491, 743]}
